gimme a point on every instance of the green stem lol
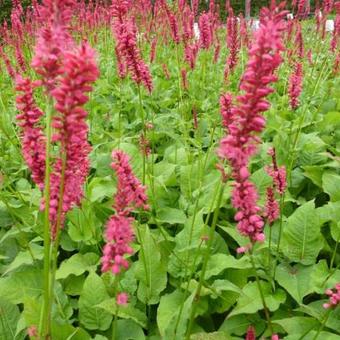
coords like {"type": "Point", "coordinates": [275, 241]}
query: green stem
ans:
{"type": "Point", "coordinates": [143, 129]}
{"type": "Point", "coordinates": [205, 263]}
{"type": "Point", "coordinates": [266, 310]}
{"type": "Point", "coordinates": [334, 252]}
{"type": "Point", "coordinates": [282, 199]}
{"type": "Point", "coordinates": [323, 324]}
{"type": "Point", "coordinates": [301, 121]}
{"type": "Point", "coordinates": [114, 324]}
{"type": "Point", "coordinates": [55, 243]}
{"type": "Point", "coordinates": [45, 321]}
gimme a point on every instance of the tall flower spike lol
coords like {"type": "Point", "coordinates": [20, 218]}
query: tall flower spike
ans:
{"type": "Point", "coordinates": [33, 139]}
{"type": "Point", "coordinates": [79, 72]}
{"type": "Point", "coordinates": [204, 23]}
{"type": "Point", "coordinates": [247, 122]}
{"type": "Point", "coordinates": [272, 209]}
{"type": "Point", "coordinates": [295, 85]}
{"type": "Point", "coordinates": [130, 191]}
{"type": "Point", "coordinates": [131, 56]}
{"type": "Point", "coordinates": [119, 233]}
{"type": "Point", "coordinates": [53, 39]}
{"type": "Point", "coordinates": [277, 173]}
{"type": "Point", "coordinates": [233, 43]}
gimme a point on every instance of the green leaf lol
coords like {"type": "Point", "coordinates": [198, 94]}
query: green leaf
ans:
{"type": "Point", "coordinates": [178, 321]}
{"type": "Point", "coordinates": [93, 293]}
{"type": "Point", "coordinates": [250, 302]}
{"type": "Point", "coordinates": [239, 324]}
{"type": "Point", "coordinates": [297, 325]}
{"type": "Point", "coordinates": [302, 240]}
{"type": "Point", "coordinates": [324, 278]}
{"type": "Point", "coordinates": [68, 332]}
{"type": "Point", "coordinates": [171, 216]}
{"type": "Point", "coordinates": [209, 336]}
{"type": "Point", "coordinates": [125, 312]}
{"type": "Point", "coordinates": [100, 188]}
{"type": "Point", "coordinates": [151, 270]}
{"type": "Point", "coordinates": [9, 317]}
{"type": "Point", "coordinates": [219, 262]}
{"type": "Point", "coordinates": [296, 280]}
{"type": "Point", "coordinates": [83, 224]}
{"type": "Point", "coordinates": [129, 330]}
{"type": "Point", "coordinates": [21, 284]}
{"type": "Point", "coordinates": [331, 185]}
{"type": "Point", "coordinates": [262, 180]}
{"type": "Point", "coordinates": [314, 173]}
{"type": "Point", "coordinates": [168, 307]}
{"type": "Point", "coordinates": [26, 257]}
{"type": "Point", "coordinates": [77, 265]}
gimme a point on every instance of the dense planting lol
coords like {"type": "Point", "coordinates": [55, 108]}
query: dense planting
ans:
{"type": "Point", "coordinates": [166, 174]}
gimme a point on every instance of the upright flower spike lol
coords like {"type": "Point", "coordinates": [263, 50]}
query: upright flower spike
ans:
{"type": "Point", "coordinates": [295, 86]}
{"type": "Point", "coordinates": [79, 72]}
{"type": "Point", "coordinates": [130, 191]}
{"type": "Point", "coordinates": [53, 39]}
{"type": "Point", "coordinates": [206, 37]}
{"type": "Point", "coordinates": [336, 33]}
{"type": "Point", "coordinates": [119, 233]}
{"type": "Point", "coordinates": [130, 54]}
{"type": "Point", "coordinates": [277, 173]}
{"type": "Point", "coordinates": [246, 121]}
{"type": "Point", "coordinates": [272, 209]}
{"type": "Point", "coordinates": [233, 43]}
{"type": "Point", "coordinates": [33, 139]}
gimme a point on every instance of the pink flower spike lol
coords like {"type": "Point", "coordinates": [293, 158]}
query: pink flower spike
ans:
{"type": "Point", "coordinates": [130, 191]}
{"type": "Point", "coordinates": [244, 120]}
{"type": "Point", "coordinates": [122, 299]}
{"type": "Point", "coordinates": [272, 209]}
{"type": "Point", "coordinates": [334, 297]}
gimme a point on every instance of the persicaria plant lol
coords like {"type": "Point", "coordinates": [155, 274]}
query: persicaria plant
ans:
{"type": "Point", "coordinates": [169, 170]}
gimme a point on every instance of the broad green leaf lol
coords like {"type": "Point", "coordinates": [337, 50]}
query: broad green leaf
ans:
{"type": "Point", "coordinates": [239, 324]}
{"type": "Point", "coordinates": [19, 285]}
{"type": "Point", "coordinates": [210, 336]}
{"type": "Point", "coordinates": [302, 240]}
{"type": "Point", "coordinates": [171, 216]}
{"type": "Point", "coordinates": [314, 173]}
{"type": "Point", "coordinates": [93, 293]}
{"type": "Point", "coordinates": [331, 185]}
{"type": "Point", "coordinates": [296, 280]}
{"type": "Point", "coordinates": [83, 224]}
{"type": "Point", "coordinates": [77, 265]}
{"type": "Point", "coordinates": [178, 322]}
{"type": "Point", "coordinates": [26, 257]}
{"type": "Point", "coordinates": [9, 317]}
{"type": "Point", "coordinates": [219, 262]}
{"type": "Point", "coordinates": [262, 181]}
{"type": "Point", "coordinates": [129, 330]}
{"type": "Point", "coordinates": [100, 188]}
{"type": "Point", "coordinates": [324, 278]}
{"type": "Point", "coordinates": [136, 158]}
{"type": "Point", "coordinates": [151, 270]}
{"type": "Point", "coordinates": [168, 307]}
{"type": "Point", "coordinates": [126, 312]}
{"type": "Point", "coordinates": [68, 332]}
{"type": "Point", "coordinates": [329, 212]}
{"type": "Point", "coordinates": [250, 302]}
{"type": "Point", "coordinates": [297, 325]}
